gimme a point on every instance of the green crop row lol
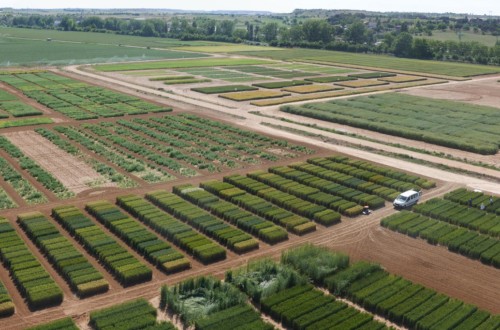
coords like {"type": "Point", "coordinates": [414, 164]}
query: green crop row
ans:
{"type": "Point", "coordinates": [6, 305]}
{"type": "Point", "coordinates": [125, 267]}
{"type": "Point", "coordinates": [457, 239]}
{"type": "Point", "coordinates": [19, 109]}
{"type": "Point", "coordinates": [120, 159]}
{"type": "Point", "coordinates": [328, 190]}
{"type": "Point", "coordinates": [233, 238]}
{"type": "Point", "coordinates": [62, 324]}
{"type": "Point", "coordinates": [306, 308]}
{"type": "Point", "coordinates": [363, 174]}
{"type": "Point", "coordinates": [281, 84]}
{"type": "Point", "coordinates": [22, 186]}
{"type": "Point", "coordinates": [78, 100]}
{"type": "Point", "coordinates": [288, 201]}
{"type": "Point", "coordinates": [181, 234]}
{"type": "Point", "coordinates": [137, 314]}
{"type": "Point", "coordinates": [83, 278]}
{"type": "Point", "coordinates": [255, 225]}
{"type": "Point", "coordinates": [224, 89]}
{"type": "Point", "coordinates": [42, 176]}
{"type": "Point", "coordinates": [210, 295]}
{"type": "Point", "coordinates": [392, 297]}
{"type": "Point", "coordinates": [461, 215]}
{"type": "Point", "coordinates": [370, 168]}
{"type": "Point", "coordinates": [101, 168]}
{"type": "Point", "coordinates": [158, 252]}
{"type": "Point", "coordinates": [32, 280]}
{"type": "Point", "coordinates": [255, 204]}
{"type": "Point", "coordinates": [238, 317]}
{"type": "Point", "coordinates": [475, 199]}
{"type": "Point", "coordinates": [171, 145]}
{"type": "Point", "coordinates": [6, 201]}
{"type": "Point", "coordinates": [414, 118]}
{"type": "Point", "coordinates": [327, 216]}
{"type": "Point", "coordinates": [157, 153]}
{"type": "Point", "coordinates": [370, 75]}
{"type": "Point", "coordinates": [330, 79]}
{"type": "Point", "coordinates": [310, 191]}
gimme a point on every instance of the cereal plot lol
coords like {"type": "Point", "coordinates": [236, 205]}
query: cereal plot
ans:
{"type": "Point", "coordinates": [74, 174]}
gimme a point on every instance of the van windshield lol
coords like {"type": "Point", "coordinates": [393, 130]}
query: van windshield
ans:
{"type": "Point", "coordinates": [402, 198]}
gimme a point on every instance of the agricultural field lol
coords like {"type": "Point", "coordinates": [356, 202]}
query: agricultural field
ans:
{"type": "Point", "coordinates": [179, 64]}
{"type": "Point", "coordinates": [167, 229]}
{"type": "Point", "coordinates": [245, 301]}
{"type": "Point", "coordinates": [127, 153]}
{"type": "Point", "coordinates": [18, 51]}
{"type": "Point", "coordinates": [388, 63]}
{"type": "Point", "coordinates": [456, 222]}
{"type": "Point", "coordinates": [435, 121]}
{"type": "Point", "coordinates": [150, 196]}
{"type": "Point", "coordinates": [75, 99]}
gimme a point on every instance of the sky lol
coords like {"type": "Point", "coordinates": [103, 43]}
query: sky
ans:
{"type": "Point", "coordinates": [478, 7]}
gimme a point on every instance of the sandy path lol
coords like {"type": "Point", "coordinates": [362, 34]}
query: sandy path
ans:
{"type": "Point", "coordinates": [73, 173]}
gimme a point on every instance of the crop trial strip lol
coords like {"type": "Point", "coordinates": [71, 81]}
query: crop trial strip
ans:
{"type": "Point", "coordinates": [457, 239]}
{"type": "Point", "coordinates": [255, 225]}
{"type": "Point", "coordinates": [43, 177]}
{"type": "Point", "coordinates": [7, 307]}
{"type": "Point", "coordinates": [32, 280]}
{"type": "Point", "coordinates": [156, 153]}
{"type": "Point", "coordinates": [83, 278]}
{"type": "Point", "coordinates": [148, 244]}
{"type": "Point", "coordinates": [320, 214]}
{"type": "Point", "coordinates": [261, 207]}
{"type": "Point", "coordinates": [233, 238]}
{"type": "Point", "coordinates": [103, 169]}
{"type": "Point", "coordinates": [176, 231]}
{"type": "Point", "coordinates": [120, 159]}
{"type": "Point", "coordinates": [127, 269]}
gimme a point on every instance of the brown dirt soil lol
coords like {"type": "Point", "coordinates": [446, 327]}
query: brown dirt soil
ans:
{"type": "Point", "coordinates": [73, 173]}
{"type": "Point", "coordinates": [481, 91]}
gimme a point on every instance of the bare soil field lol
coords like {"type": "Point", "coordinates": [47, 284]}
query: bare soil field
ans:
{"type": "Point", "coordinates": [73, 173]}
{"type": "Point", "coordinates": [481, 91]}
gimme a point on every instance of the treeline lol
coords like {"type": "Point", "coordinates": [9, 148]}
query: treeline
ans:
{"type": "Point", "coordinates": [348, 33]}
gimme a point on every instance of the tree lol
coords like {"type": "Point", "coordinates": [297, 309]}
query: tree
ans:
{"type": "Point", "coordinates": [315, 30]}
{"type": "Point", "coordinates": [356, 33]}
{"type": "Point", "coordinates": [68, 24]}
{"type": "Point", "coordinates": [270, 31]}
{"type": "Point", "coordinates": [421, 49]}
{"type": "Point", "coordinates": [403, 44]}
{"type": "Point", "coordinates": [226, 28]}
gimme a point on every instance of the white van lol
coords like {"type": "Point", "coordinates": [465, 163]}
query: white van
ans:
{"type": "Point", "coordinates": [407, 199]}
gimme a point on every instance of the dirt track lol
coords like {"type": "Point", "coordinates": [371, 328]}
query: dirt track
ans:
{"type": "Point", "coordinates": [362, 237]}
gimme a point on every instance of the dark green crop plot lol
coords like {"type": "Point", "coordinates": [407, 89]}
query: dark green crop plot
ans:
{"type": "Point", "coordinates": [451, 124]}
{"type": "Point", "coordinates": [224, 89]}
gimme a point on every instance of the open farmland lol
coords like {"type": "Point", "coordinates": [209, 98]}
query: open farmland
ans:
{"type": "Point", "coordinates": [343, 294]}
{"type": "Point", "coordinates": [377, 61]}
{"type": "Point", "coordinates": [138, 197]}
{"type": "Point", "coordinates": [440, 122]}
{"type": "Point", "coordinates": [19, 52]}
{"type": "Point", "coordinates": [190, 63]}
